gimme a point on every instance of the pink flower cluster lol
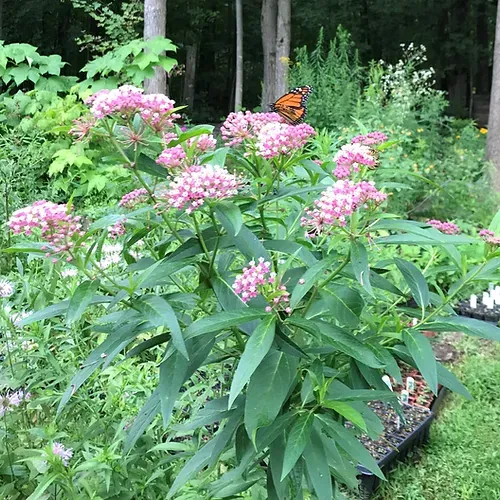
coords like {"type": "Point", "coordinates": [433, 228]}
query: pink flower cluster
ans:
{"type": "Point", "coordinates": [156, 111]}
{"type": "Point", "coordinates": [275, 139]}
{"type": "Point", "coordinates": [199, 183]}
{"type": "Point", "coordinates": [57, 227]}
{"type": "Point", "coordinates": [13, 399]}
{"type": "Point", "coordinates": [245, 125]}
{"type": "Point", "coordinates": [117, 229]}
{"type": "Point", "coordinates": [176, 156]}
{"type": "Point", "coordinates": [338, 202]}
{"type": "Point", "coordinates": [490, 237]}
{"type": "Point", "coordinates": [370, 139]}
{"type": "Point", "coordinates": [62, 452]}
{"type": "Point", "coordinates": [444, 227]}
{"type": "Point", "coordinates": [172, 157]}
{"type": "Point", "coordinates": [246, 284]}
{"type": "Point", "coordinates": [130, 200]}
{"type": "Point", "coordinates": [257, 279]}
{"type": "Point", "coordinates": [350, 157]}
{"type": "Point", "coordinates": [204, 142]}
{"type": "Point", "coordinates": [127, 100]}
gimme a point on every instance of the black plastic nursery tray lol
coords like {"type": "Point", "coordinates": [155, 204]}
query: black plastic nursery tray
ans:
{"type": "Point", "coordinates": [480, 312]}
{"type": "Point", "coordinates": [395, 444]}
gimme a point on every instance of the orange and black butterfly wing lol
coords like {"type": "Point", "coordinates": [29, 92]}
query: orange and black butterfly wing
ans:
{"type": "Point", "coordinates": [293, 106]}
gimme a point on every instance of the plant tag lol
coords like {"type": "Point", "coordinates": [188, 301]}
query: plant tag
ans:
{"type": "Point", "coordinates": [491, 287]}
{"type": "Point", "coordinates": [410, 384]}
{"type": "Point", "coordinates": [486, 298]}
{"type": "Point", "coordinates": [387, 381]}
{"type": "Point", "coordinates": [405, 396]}
{"type": "Point", "coordinates": [473, 301]}
{"type": "Point", "coordinates": [398, 422]}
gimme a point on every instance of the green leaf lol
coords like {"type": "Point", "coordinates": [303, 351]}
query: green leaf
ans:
{"type": "Point", "coordinates": [160, 313]}
{"type": "Point", "coordinates": [317, 467]}
{"type": "Point", "coordinates": [310, 277]}
{"type": "Point", "coordinates": [148, 344]}
{"type": "Point", "coordinates": [344, 341]}
{"type": "Point", "coordinates": [174, 371]}
{"type": "Point", "coordinates": [209, 453]}
{"type": "Point", "coordinates": [47, 480]}
{"type": "Point", "coordinates": [296, 442]}
{"type": "Point", "coordinates": [289, 192]}
{"type": "Point", "coordinates": [421, 351]}
{"type": "Point", "coordinates": [359, 261]}
{"type": "Point", "coordinates": [415, 280]}
{"type": "Point", "coordinates": [469, 326]}
{"type": "Point", "coordinates": [349, 443]}
{"type": "Point", "coordinates": [149, 166]}
{"type": "Point", "coordinates": [222, 321]}
{"type": "Point", "coordinates": [230, 217]}
{"type": "Point", "coordinates": [256, 348]}
{"type": "Point", "coordinates": [361, 395]}
{"type": "Point", "coordinates": [120, 337]}
{"type": "Point", "coordinates": [347, 411]}
{"type": "Point", "coordinates": [445, 377]}
{"type": "Point", "coordinates": [267, 390]}
{"type": "Point", "coordinates": [341, 302]}
{"type": "Point", "coordinates": [248, 244]}
{"type": "Point", "coordinates": [80, 300]}
{"type": "Point", "coordinates": [291, 248]}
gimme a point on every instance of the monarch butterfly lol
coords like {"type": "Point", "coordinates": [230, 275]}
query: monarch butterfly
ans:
{"type": "Point", "coordinates": [292, 106]}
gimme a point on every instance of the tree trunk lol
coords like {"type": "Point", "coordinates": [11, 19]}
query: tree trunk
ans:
{"type": "Point", "coordinates": [155, 24]}
{"type": "Point", "coordinates": [493, 143]}
{"type": "Point", "coordinates": [482, 82]}
{"type": "Point", "coordinates": [268, 28]}
{"type": "Point", "coordinates": [1, 19]}
{"type": "Point", "coordinates": [283, 35]}
{"type": "Point", "coordinates": [238, 91]}
{"type": "Point", "coordinates": [190, 75]}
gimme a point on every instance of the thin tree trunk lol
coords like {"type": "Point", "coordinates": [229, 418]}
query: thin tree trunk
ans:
{"type": "Point", "coordinates": [238, 92]}
{"type": "Point", "coordinates": [283, 35]}
{"type": "Point", "coordinates": [1, 19]}
{"type": "Point", "coordinates": [190, 75]}
{"type": "Point", "coordinates": [155, 24]}
{"type": "Point", "coordinates": [268, 28]}
{"type": "Point", "coordinates": [493, 142]}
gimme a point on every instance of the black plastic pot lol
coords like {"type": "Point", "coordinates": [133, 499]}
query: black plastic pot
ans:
{"type": "Point", "coordinates": [420, 436]}
{"type": "Point", "coordinates": [437, 404]}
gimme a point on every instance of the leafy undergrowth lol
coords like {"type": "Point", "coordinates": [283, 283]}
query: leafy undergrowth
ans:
{"type": "Point", "coordinates": [462, 460]}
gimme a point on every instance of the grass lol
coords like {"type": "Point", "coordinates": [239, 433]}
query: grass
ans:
{"type": "Point", "coordinates": [462, 460]}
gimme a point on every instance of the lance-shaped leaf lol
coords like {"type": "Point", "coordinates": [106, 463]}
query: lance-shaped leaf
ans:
{"type": "Point", "coordinates": [221, 321]}
{"type": "Point", "coordinates": [267, 390]}
{"type": "Point", "coordinates": [81, 299]}
{"type": "Point", "coordinates": [415, 280]}
{"type": "Point", "coordinates": [160, 313]}
{"type": "Point", "coordinates": [360, 267]}
{"type": "Point", "coordinates": [317, 467]}
{"type": "Point", "coordinates": [297, 440]}
{"type": "Point", "coordinates": [230, 216]}
{"type": "Point", "coordinates": [256, 348]}
{"type": "Point", "coordinates": [208, 454]}
{"type": "Point", "coordinates": [421, 351]}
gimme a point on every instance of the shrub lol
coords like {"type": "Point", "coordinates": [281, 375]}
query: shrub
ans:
{"type": "Point", "coordinates": [245, 281]}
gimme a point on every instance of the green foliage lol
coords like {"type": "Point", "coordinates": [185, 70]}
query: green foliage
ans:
{"type": "Point", "coordinates": [335, 74]}
{"type": "Point", "coordinates": [118, 27]}
{"type": "Point", "coordinates": [432, 162]}
{"type": "Point", "coordinates": [129, 63]}
{"type": "Point", "coordinates": [22, 66]}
